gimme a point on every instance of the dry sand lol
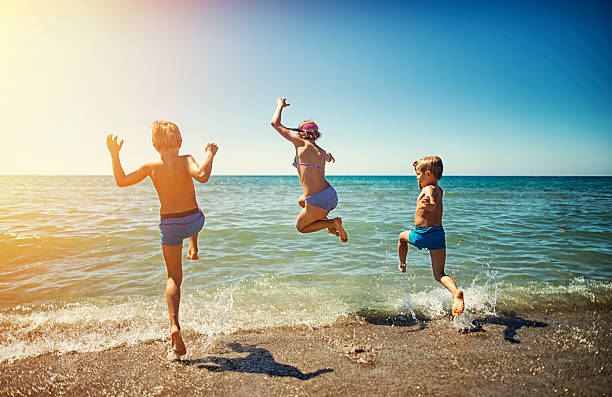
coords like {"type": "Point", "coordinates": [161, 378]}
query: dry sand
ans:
{"type": "Point", "coordinates": [508, 354]}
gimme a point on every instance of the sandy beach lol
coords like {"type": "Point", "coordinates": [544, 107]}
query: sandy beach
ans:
{"type": "Point", "coordinates": [511, 353]}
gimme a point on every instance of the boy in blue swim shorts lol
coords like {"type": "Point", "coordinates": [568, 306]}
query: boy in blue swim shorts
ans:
{"type": "Point", "coordinates": [181, 218]}
{"type": "Point", "coordinates": [428, 232]}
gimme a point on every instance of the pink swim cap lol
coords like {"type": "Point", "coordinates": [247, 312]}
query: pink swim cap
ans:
{"type": "Point", "coordinates": [310, 127]}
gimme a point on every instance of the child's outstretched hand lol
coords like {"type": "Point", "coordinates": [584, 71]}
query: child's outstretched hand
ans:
{"type": "Point", "coordinates": [211, 148]}
{"type": "Point", "coordinates": [330, 158]}
{"type": "Point", "coordinates": [282, 102]}
{"type": "Point", "coordinates": [112, 144]}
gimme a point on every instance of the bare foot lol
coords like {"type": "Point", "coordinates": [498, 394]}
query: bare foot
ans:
{"type": "Point", "coordinates": [459, 304]}
{"type": "Point", "coordinates": [193, 255]}
{"type": "Point", "coordinates": [178, 347]}
{"type": "Point", "coordinates": [333, 230]}
{"type": "Point", "coordinates": [340, 230]}
{"type": "Point", "coordinates": [402, 267]}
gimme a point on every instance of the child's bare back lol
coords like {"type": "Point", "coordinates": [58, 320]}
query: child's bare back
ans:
{"type": "Point", "coordinates": [181, 218]}
{"type": "Point", "coordinates": [173, 183]}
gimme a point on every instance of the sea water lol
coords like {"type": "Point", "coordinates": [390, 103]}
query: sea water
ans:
{"type": "Point", "coordinates": [81, 267]}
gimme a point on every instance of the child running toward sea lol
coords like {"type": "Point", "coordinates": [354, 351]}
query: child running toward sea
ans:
{"type": "Point", "coordinates": [428, 232]}
{"type": "Point", "coordinates": [180, 215]}
{"type": "Point", "coordinates": [319, 196]}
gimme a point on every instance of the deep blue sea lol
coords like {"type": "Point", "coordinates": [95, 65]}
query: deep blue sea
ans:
{"type": "Point", "coordinates": [81, 267]}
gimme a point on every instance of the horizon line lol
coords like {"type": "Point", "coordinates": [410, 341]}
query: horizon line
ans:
{"type": "Point", "coordinates": [293, 174]}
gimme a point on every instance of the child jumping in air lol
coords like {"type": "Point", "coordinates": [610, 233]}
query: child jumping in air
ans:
{"type": "Point", "coordinates": [319, 196]}
{"type": "Point", "coordinates": [180, 215]}
{"type": "Point", "coordinates": [428, 232]}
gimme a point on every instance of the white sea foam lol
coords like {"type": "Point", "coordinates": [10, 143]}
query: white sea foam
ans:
{"type": "Point", "coordinates": [78, 327]}
{"type": "Point", "coordinates": [463, 322]}
{"type": "Point", "coordinates": [102, 324]}
{"type": "Point", "coordinates": [99, 324]}
{"type": "Point", "coordinates": [437, 302]}
{"type": "Point", "coordinates": [486, 299]}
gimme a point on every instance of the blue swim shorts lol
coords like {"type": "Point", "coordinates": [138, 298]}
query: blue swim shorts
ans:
{"type": "Point", "coordinates": [326, 199]}
{"type": "Point", "coordinates": [432, 238]}
{"type": "Point", "coordinates": [174, 230]}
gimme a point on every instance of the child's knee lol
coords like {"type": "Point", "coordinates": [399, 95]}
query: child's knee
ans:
{"type": "Point", "coordinates": [176, 280]}
{"type": "Point", "coordinates": [438, 276]}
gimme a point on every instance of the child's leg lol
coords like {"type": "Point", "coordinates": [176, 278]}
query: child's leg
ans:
{"type": "Point", "coordinates": [313, 218]}
{"type": "Point", "coordinates": [402, 249]}
{"type": "Point", "coordinates": [438, 260]}
{"type": "Point", "coordinates": [331, 230]}
{"type": "Point", "coordinates": [174, 268]}
{"type": "Point", "coordinates": [193, 247]}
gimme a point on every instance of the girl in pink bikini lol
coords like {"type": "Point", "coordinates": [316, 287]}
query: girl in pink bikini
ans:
{"type": "Point", "coordinates": [319, 196]}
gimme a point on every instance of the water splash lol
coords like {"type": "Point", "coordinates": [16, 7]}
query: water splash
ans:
{"type": "Point", "coordinates": [435, 302]}
{"type": "Point", "coordinates": [81, 327]}
{"type": "Point", "coordinates": [217, 323]}
{"type": "Point", "coordinates": [268, 301]}
{"type": "Point", "coordinates": [464, 322]}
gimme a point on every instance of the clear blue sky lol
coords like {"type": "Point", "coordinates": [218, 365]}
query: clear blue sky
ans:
{"type": "Point", "coordinates": [494, 88]}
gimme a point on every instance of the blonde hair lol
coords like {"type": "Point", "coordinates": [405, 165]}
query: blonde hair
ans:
{"type": "Point", "coordinates": [166, 135]}
{"type": "Point", "coordinates": [310, 135]}
{"type": "Point", "coordinates": [432, 164]}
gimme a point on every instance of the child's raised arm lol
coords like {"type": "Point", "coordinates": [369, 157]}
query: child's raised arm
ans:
{"type": "Point", "coordinates": [121, 179]}
{"type": "Point", "coordinates": [202, 173]}
{"type": "Point", "coordinates": [276, 122]}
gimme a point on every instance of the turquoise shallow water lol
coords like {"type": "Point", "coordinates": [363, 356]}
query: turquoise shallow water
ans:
{"type": "Point", "coordinates": [80, 258]}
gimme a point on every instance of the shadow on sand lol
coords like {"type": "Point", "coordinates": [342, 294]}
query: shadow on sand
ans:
{"type": "Point", "coordinates": [409, 324]}
{"type": "Point", "coordinates": [397, 320]}
{"type": "Point", "coordinates": [259, 361]}
{"type": "Point", "coordinates": [512, 323]}
{"type": "Point", "coordinates": [510, 320]}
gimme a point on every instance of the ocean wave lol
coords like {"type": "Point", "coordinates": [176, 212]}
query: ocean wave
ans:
{"type": "Point", "coordinates": [99, 324]}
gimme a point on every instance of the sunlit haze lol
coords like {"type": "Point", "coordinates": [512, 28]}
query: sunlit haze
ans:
{"type": "Point", "coordinates": [512, 88]}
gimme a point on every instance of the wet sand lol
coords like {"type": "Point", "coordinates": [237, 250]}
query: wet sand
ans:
{"type": "Point", "coordinates": [518, 354]}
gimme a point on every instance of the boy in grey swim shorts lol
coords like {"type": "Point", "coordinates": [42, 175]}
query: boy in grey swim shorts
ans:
{"type": "Point", "coordinates": [181, 218]}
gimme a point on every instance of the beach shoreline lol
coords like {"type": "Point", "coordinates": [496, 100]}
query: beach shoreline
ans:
{"type": "Point", "coordinates": [520, 353]}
